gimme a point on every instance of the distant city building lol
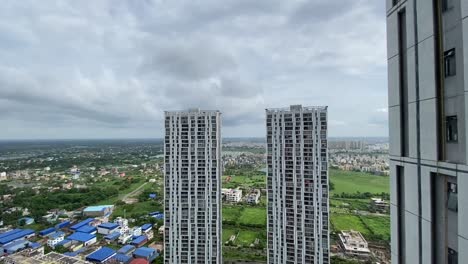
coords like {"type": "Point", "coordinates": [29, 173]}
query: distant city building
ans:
{"type": "Point", "coordinates": [253, 197]}
{"type": "Point", "coordinates": [3, 176]}
{"type": "Point", "coordinates": [427, 72]}
{"type": "Point", "coordinates": [347, 145]}
{"type": "Point", "coordinates": [193, 187]}
{"type": "Point", "coordinates": [353, 244]}
{"type": "Point", "coordinates": [297, 183]}
{"type": "Point", "coordinates": [232, 195]}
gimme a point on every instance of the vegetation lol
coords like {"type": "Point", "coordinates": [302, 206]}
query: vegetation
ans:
{"type": "Point", "coordinates": [350, 182]}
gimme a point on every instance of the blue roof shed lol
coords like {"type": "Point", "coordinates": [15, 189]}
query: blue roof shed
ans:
{"type": "Point", "coordinates": [82, 223]}
{"type": "Point", "coordinates": [62, 225]}
{"type": "Point", "coordinates": [16, 246]}
{"type": "Point", "coordinates": [16, 236]}
{"type": "Point", "coordinates": [126, 249]}
{"type": "Point", "coordinates": [101, 255]}
{"type": "Point", "coordinates": [112, 236]}
{"type": "Point", "coordinates": [11, 232]}
{"type": "Point", "coordinates": [139, 240]}
{"type": "Point", "coordinates": [147, 253]}
{"type": "Point", "coordinates": [56, 235]}
{"type": "Point", "coordinates": [109, 226]}
{"type": "Point", "coordinates": [81, 237]}
{"type": "Point", "coordinates": [146, 227]}
{"type": "Point", "coordinates": [122, 258]}
{"type": "Point", "coordinates": [47, 231]}
{"type": "Point", "coordinates": [87, 229]}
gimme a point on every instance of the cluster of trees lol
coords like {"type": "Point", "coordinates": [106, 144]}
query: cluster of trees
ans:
{"type": "Point", "coordinates": [359, 195]}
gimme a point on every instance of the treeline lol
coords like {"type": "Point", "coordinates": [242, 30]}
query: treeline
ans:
{"type": "Point", "coordinates": [359, 195]}
{"type": "Point", "coordinates": [39, 204]}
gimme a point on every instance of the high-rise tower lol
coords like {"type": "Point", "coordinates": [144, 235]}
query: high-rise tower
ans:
{"type": "Point", "coordinates": [192, 152]}
{"type": "Point", "coordinates": [297, 159]}
{"type": "Point", "coordinates": [427, 81]}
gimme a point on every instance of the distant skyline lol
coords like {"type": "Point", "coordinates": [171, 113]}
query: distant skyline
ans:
{"type": "Point", "coordinates": [109, 69]}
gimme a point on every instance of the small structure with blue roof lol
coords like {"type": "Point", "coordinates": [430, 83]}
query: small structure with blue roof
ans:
{"type": "Point", "coordinates": [101, 255]}
{"type": "Point", "coordinates": [127, 249]}
{"type": "Point", "coordinates": [15, 246]}
{"type": "Point", "coordinates": [62, 225]}
{"type": "Point", "coordinates": [85, 238]}
{"type": "Point", "coordinates": [112, 237]}
{"type": "Point", "coordinates": [146, 253]}
{"type": "Point", "coordinates": [17, 234]}
{"type": "Point", "coordinates": [139, 241]}
{"type": "Point", "coordinates": [55, 238]}
{"type": "Point", "coordinates": [47, 231]}
{"type": "Point", "coordinates": [146, 227]}
{"type": "Point", "coordinates": [107, 228]}
{"type": "Point", "coordinates": [87, 229]}
{"type": "Point", "coordinates": [82, 223]}
{"type": "Point", "coordinates": [99, 210]}
{"type": "Point", "coordinates": [157, 215]}
{"type": "Point", "coordinates": [122, 258]}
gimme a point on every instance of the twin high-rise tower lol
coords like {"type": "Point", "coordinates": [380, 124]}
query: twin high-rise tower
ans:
{"type": "Point", "coordinates": [297, 186]}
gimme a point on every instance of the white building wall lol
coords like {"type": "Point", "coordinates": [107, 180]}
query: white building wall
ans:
{"type": "Point", "coordinates": [297, 184]}
{"type": "Point", "coordinates": [193, 187]}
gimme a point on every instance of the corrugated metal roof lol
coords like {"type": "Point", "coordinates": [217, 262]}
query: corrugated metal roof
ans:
{"type": "Point", "coordinates": [109, 225]}
{"type": "Point", "coordinates": [112, 236]}
{"type": "Point", "coordinates": [63, 224]}
{"type": "Point", "coordinates": [56, 235]}
{"type": "Point", "coordinates": [144, 252]}
{"type": "Point", "coordinates": [125, 249]}
{"type": "Point", "coordinates": [81, 237]}
{"type": "Point", "coordinates": [146, 227]}
{"type": "Point", "coordinates": [139, 240]}
{"type": "Point", "coordinates": [97, 208]}
{"type": "Point", "coordinates": [11, 232]}
{"type": "Point", "coordinates": [86, 229]}
{"type": "Point", "coordinates": [16, 236]}
{"type": "Point", "coordinates": [82, 223]}
{"type": "Point", "coordinates": [47, 231]}
{"type": "Point", "coordinates": [63, 242]}
{"type": "Point", "coordinates": [101, 254]}
{"type": "Point", "coordinates": [122, 258]}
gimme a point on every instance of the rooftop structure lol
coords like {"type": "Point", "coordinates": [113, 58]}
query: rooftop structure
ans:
{"type": "Point", "coordinates": [87, 229]}
{"type": "Point", "coordinates": [126, 249]}
{"type": "Point", "coordinates": [82, 223]}
{"type": "Point", "coordinates": [101, 255]}
{"type": "Point", "coordinates": [51, 258]}
{"type": "Point", "coordinates": [47, 231]}
{"type": "Point", "coordinates": [16, 235]}
{"type": "Point", "coordinates": [81, 237]}
{"type": "Point", "coordinates": [353, 244]}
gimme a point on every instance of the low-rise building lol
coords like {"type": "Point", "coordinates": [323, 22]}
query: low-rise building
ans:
{"type": "Point", "coordinates": [232, 195]}
{"type": "Point", "coordinates": [99, 210]}
{"type": "Point", "coordinates": [107, 228]}
{"type": "Point", "coordinates": [253, 197]}
{"type": "Point", "coordinates": [379, 205]}
{"type": "Point", "coordinates": [55, 238]}
{"type": "Point", "coordinates": [353, 244]}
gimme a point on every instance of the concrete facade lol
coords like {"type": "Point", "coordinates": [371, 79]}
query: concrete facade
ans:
{"type": "Point", "coordinates": [427, 54]}
{"type": "Point", "coordinates": [193, 218]}
{"type": "Point", "coordinates": [297, 185]}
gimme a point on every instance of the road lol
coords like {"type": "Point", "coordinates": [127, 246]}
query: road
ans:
{"type": "Point", "coordinates": [134, 192]}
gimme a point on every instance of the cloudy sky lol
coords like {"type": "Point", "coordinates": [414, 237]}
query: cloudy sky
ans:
{"type": "Point", "coordinates": [109, 68]}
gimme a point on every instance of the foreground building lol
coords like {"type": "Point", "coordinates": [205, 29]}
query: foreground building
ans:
{"type": "Point", "coordinates": [297, 185]}
{"type": "Point", "coordinates": [353, 244]}
{"type": "Point", "coordinates": [193, 218]}
{"type": "Point", "coordinates": [427, 73]}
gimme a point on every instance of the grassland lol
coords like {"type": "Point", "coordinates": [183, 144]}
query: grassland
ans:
{"type": "Point", "coordinates": [353, 182]}
{"type": "Point", "coordinates": [374, 228]}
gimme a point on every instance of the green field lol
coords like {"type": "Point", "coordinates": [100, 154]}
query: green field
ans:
{"type": "Point", "coordinates": [255, 181]}
{"type": "Point", "coordinates": [372, 227]}
{"type": "Point", "coordinates": [253, 216]}
{"type": "Point", "coordinates": [353, 182]}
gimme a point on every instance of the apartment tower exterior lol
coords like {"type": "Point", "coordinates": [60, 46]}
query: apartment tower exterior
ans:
{"type": "Point", "coordinates": [427, 80]}
{"type": "Point", "coordinates": [192, 153]}
{"type": "Point", "coordinates": [297, 184]}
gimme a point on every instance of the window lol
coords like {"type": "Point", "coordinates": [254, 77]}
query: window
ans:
{"type": "Point", "coordinates": [446, 5]}
{"type": "Point", "coordinates": [452, 128]}
{"type": "Point", "coordinates": [452, 256]}
{"type": "Point", "coordinates": [450, 63]}
{"type": "Point", "coordinates": [395, 2]}
{"type": "Point", "coordinates": [452, 201]}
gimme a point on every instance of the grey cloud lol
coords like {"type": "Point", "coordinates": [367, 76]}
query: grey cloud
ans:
{"type": "Point", "coordinates": [320, 11]}
{"type": "Point", "coordinates": [189, 61]}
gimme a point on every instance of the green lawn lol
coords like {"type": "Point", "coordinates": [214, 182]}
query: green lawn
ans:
{"type": "Point", "coordinates": [348, 222]}
{"type": "Point", "coordinates": [227, 233]}
{"type": "Point", "coordinates": [246, 237]}
{"type": "Point", "coordinates": [379, 225]}
{"type": "Point", "coordinates": [140, 208]}
{"type": "Point", "coordinates": [231, 213]}
{"type": "Point", "coordinates": [253, 217]}
{"type": "Point", "coordinates": [352, 182]}
{"type": "Point", "coordinates": [255, 181]}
